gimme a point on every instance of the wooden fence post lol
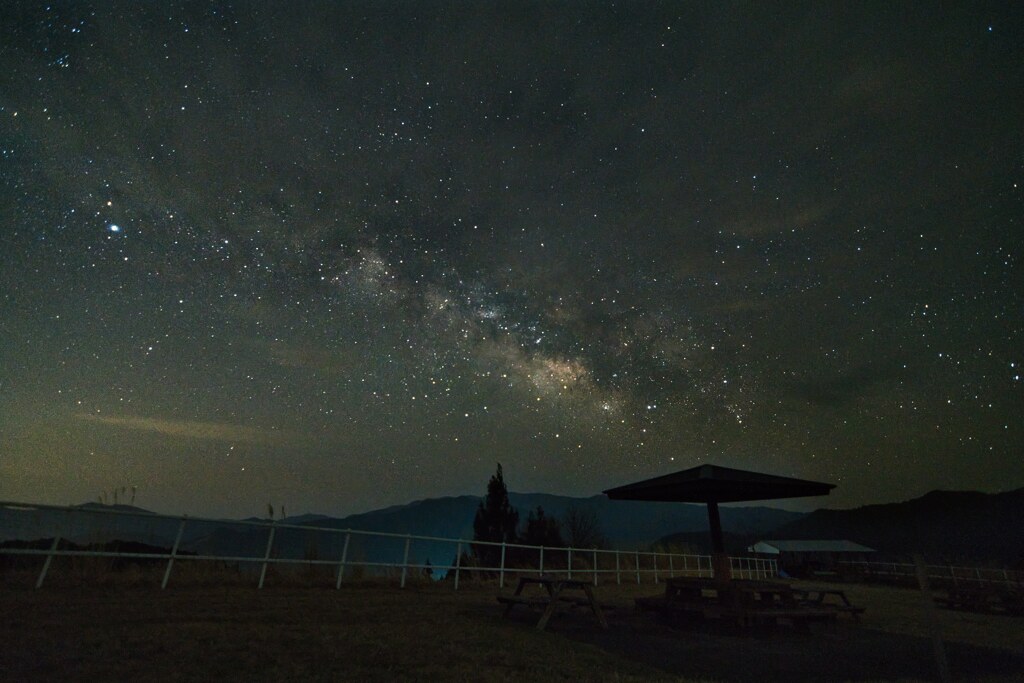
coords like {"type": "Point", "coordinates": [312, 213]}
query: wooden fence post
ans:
{"type": "Point", "coordinates": [501, 573]}
{"type": "Point", "coordinates": [405, 560]}
{"type": "Point", "coordinates": [344, 559]}
{"type": "Point", "coordinates": [458, 563]}
{"type": "Point", "coordinates": [266, 555]}
{"type": "Point", "coordinates": [939, 649]}
{"type": "Point", "coordinates": [174, 552]}
{"type": "Point", "coordinates": [46, 563]}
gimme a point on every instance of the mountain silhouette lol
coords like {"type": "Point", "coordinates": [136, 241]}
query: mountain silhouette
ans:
{"type": "Point", "coordinates": [944, 526]}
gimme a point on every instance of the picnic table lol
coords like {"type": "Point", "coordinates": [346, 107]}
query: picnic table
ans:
{"type": "Point", "coordinates": [820, 597]}
{"type": "Point", "coordinates": [558, 593]}
{"type": "Point", "coordinates": [984, 598]}
{"type": "Point", "coordinates": [743, 602]}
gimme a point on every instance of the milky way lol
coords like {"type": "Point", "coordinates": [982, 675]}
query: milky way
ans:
{"type": "Point", "coordinates": [344, 255]}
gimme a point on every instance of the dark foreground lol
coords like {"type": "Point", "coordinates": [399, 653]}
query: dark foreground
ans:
{"type": "Point", "coordinates": [366, 631]}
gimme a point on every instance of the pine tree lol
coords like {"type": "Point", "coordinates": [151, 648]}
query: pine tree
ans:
{"type": "Point", "coordinates": [496, 521]}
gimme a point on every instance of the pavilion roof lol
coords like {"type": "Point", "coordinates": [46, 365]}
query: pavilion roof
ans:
{"type": "Point", "coordinates": [716, 484]}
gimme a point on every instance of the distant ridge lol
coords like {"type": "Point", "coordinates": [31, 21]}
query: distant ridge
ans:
{"type": "Point", "coordinates": [955, 526]}
{"type": "Point", "coordinates": [952, 526]}
{"type": "Point", "coordinates": [627, 525]}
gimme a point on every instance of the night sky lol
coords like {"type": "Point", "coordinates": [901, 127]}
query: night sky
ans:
{"type": "Point", "coordinates": [338, 256]}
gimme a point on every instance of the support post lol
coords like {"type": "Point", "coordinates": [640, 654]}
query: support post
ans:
{"type": "Point", "coordinates": [638, 567]}
{"type": "Point", "coordinates": [174, 552]}
{"type": "Point", "coordinates": [671, 566]}
{"type": "Point", "coordinates": [618, 572]}
{"type": "Point", "coordinates": [266, 555]}
{"type": "Point", "coordinates": [344, 559]}
{"type": "Point", "coordinates": [595, 566]}
{"type": "Point", "coordinates": [405, 560]}
{"type": "Point", "coordinates": [721, 569]}
{"type": "Point", "coordinates": [541, 571]}
{"type": "Point", "coordinates": [569, 552]}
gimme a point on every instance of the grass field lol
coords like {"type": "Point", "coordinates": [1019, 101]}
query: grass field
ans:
{"type": "Point", "coordinates": [376, 631]}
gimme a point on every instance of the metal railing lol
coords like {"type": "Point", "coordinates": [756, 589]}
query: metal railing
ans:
{"type": "Point", "coordinates": [939, 575]}
{"type": "Point", "coordinates": [512, 558]}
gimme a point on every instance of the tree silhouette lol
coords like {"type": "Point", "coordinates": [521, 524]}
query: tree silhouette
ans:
{"type": "Point", "coordinates": [583, 529]}
{"type": "Point", "coordinates": [496, 521]}
{"type": "Point", "coordinates": [542, 530]}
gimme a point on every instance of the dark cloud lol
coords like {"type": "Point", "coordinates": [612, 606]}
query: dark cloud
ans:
{"type": "Point", "coordinates": [855, 384]}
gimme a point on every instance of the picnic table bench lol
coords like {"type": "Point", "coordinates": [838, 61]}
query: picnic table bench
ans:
{"type": "Point", "coordinates": [746, 603]}
{"type": "Point", "coordinates": [554, 597]}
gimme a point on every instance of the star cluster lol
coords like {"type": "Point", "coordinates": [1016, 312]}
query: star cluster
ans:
{"type": "Point", "coordinates": [352, 255]}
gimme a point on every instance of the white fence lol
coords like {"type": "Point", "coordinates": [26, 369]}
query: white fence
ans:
{"type": "Point", "coordinates": [59, 523]}
{"type": "Point", "coordinates": [939, 575]}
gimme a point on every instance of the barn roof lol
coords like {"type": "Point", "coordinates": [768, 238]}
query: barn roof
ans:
{"type": "Point", "coordinates": [801, 546]}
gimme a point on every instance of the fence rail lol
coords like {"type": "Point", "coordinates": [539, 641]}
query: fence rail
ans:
{"type": "Point", "coordinates": [940, 576]}
{"type": "Point", "coordinates": [515, 558]}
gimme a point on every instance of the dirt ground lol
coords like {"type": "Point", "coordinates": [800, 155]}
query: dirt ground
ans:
{"type": "Point", "coordinates": [376, 631]}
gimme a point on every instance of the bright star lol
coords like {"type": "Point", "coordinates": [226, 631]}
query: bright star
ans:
{"type": "Point", "coordinates": [114, 227]}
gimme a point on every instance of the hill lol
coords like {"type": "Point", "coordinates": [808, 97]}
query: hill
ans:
{"type": "Point", "coordinates": [945, 526]}
{"type": "Point", "coordinates": [626, 525]}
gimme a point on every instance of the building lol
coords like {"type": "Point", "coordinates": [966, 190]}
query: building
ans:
{"type": "Point", "coordinates": [806, 558]}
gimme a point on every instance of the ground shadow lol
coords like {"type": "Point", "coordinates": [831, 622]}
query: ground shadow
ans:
{"type": "Point", "coordinates": [844, 651]}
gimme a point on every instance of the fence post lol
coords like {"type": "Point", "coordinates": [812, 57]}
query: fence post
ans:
{"type": "Point", "coordinates": [595, 566]}
{"type": "Point", "coordinates": [405, 559]}
{"type": "Point", "coordinates": [618, 573]}
{"type": "Point", "coordinates": [671, 567]}
{"type": "Point", "coordinates": [501, 573]}
{"type": "Point", "coordinates": [344, 558]}
{"type": "Point", "coordinates": [655, 555]}
{"type": "Point", "coordinates": [53, 549]}
{"type": "Point", "coordinates": [458, 563]}
{"type": "Point", "coordinates": [569, 551]}
{"type": "Point", "coordinates": [938, 647]}
{"type": "Point", "coordinates": [266, 555]}
{"type": "Point", "coordinates": [46, 563]}
{"type": "Point", "coordinates": [541, 560]}
{"type": "Point", "coordinates": [174, 552]}
{"type": "Point", "coordinates": [638, 567]}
